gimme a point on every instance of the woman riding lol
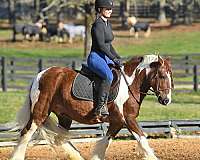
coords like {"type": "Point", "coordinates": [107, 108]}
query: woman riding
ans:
{"type": "Point", "coordinates": [102, 53]}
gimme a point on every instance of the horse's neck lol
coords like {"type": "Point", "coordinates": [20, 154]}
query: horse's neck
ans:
{"type": "Point", "coordinates": [136, 76]}
{"type": "Point", "coordinates": [139, 86]}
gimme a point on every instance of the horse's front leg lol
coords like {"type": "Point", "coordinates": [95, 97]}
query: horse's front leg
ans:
{"type": "Point", "coordinates": [116, 123]}
{"type": "Point", "coordinates": [130, 114]}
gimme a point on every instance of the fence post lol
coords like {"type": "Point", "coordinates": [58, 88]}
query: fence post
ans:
{"type": "Point", "coordinates": [12, 69]}
{"type": "Point", "coordinates": [186, 64]}
{"type": "Point", "coordinates": [3, 73]}
{"type": "Point", "coordinates": [40, 65]}
{"type": "Point", "coordinates": [73, 65]}
{"type": "Point", "coordinates": [195, 78]}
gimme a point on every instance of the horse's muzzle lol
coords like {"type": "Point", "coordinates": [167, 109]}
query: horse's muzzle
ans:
{"type": "Point", "coordinates": [163, 101]}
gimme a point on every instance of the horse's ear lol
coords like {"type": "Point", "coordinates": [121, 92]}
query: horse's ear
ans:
{"type": "Point", "coordinates": [157, 64]}
{"type": "Point", "coordinates": [160, 60]}
{"type": "Point", "coordinates": [168, 59]}
{"type": "Point", "coordinates": [168, 62]}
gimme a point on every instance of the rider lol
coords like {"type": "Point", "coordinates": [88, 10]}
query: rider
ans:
{"type": "Point", "coordinates": [102, 53]}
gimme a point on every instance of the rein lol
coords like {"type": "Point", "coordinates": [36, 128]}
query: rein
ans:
{"type": "Point", "coordinates": [136, 90]}
{"type": "Point", "coordinates": [152, 94]}
{"type": "Point", "coordinates": [128, 85]}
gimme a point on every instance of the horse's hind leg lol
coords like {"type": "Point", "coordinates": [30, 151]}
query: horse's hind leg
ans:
{"type": "Point", "coordinates": [64, 121]}
{"type": "Point", "coordinates": [20, 149]}
{"type": "Point", "coordinates": [70, 150]}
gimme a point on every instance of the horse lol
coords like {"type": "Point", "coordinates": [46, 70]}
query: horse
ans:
{"type": "Point", "coordinates": [136, 26]}
{"type": "Point", "coordinates": [29, 31]}
{"type": "Point", "coordinates": [50, 91]}
{"type": "Point", "coordinates": [74, 30]}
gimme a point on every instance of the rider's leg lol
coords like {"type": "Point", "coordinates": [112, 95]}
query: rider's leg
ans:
{"type": "Point", "coordinates": [98, 64]}
{"type": "Point", "coordinates": [101, 103]}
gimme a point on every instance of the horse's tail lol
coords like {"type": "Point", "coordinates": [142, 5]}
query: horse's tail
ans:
{"type": "Point", "coordinates": [51, 130]}
{"type": "Point", "coordinates": [23, 115]}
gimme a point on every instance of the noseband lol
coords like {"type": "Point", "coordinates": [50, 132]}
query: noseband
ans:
{"type": "Point", "coordinates": [157, 91]}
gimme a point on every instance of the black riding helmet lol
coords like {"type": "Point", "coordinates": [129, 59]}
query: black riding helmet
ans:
{"type": "Point", "coordinates": [103, 4]}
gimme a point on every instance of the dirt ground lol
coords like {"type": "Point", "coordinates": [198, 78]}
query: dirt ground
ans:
{"type": "Point", "coordinates": [165, 149]}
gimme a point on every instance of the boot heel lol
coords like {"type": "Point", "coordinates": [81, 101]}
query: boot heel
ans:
{"type": "Point", "coordinates": [104, 111]}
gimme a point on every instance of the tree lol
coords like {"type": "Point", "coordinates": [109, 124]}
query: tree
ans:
{"type": "Point", "coordinates": [86, 7]}
{"type": "Point", "coordinates": [11, 8]}
{"type": "Point", "coordinates": [162, 14]}
{"type": "Point", "coordinates": [89, 17]}
{"type": "Point", "coordinates": [162, 4]}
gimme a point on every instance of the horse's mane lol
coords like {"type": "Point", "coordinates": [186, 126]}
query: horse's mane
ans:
{"type": "Point", "coordinates": [146, 61]}
{"type": "Point", "coordinates": [140, 63]}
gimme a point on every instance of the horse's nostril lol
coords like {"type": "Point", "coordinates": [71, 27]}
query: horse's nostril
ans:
{"type": "Point", "coordinates": [162, 101]}
{"type": "Point", "coordinates": [165, 101]}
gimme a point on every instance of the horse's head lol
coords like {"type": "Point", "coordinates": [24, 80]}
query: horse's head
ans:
{"type": "Point", "coordinates": [161, 80]}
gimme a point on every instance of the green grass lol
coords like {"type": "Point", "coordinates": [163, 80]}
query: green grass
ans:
{"type": "Point", "coordinates": [171, 43]}
{"type": "Point", "coordinates": [38, 52]}
{"type": "Point", "coordinates": [10, 102]}
{"type": "Point", "coordinates": [5, 33]}
{"type": "Point", "coordinates": [164, 41]}
{"type": "Point", "coordinates": [184, 106]}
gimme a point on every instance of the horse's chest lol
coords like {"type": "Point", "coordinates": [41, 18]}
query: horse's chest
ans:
{"type": "Point", "coordinates": [122, 96]}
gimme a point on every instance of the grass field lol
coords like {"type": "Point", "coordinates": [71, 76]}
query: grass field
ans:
{"type": "Point", "coordinates": [184, 106]}
{"type": "Point", "coordinates": [173, 41]}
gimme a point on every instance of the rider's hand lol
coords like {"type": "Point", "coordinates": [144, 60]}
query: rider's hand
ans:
{"type": "Point", "coordinates": [118, 62]}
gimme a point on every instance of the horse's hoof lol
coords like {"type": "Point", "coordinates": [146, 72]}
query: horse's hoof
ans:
{"type": "Point", "coordinates": [153, 157]}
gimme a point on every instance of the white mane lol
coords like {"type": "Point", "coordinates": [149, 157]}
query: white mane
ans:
{"type": "Point", "coordinates": [148, 59]}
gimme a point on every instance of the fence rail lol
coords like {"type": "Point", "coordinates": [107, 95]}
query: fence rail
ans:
{"type": "Point", "coordinates": [10, 132]}
{"type": "Point", "coordinates": [17, 73]}
{"type": "Point", "coordinates": [152, 11]}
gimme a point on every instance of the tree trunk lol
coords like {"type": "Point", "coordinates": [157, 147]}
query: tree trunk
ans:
{"type": "Point", "coordinates": [36, 6]}
{"type": "Point", "coordinates": [42, 4]}
{"type": "Point", "coordinates": [162, 14]}
{"type": "Point", "coordinates": [11, 8]}
{"type": "Point", "coordinates": [89, 18]}
{"type": "Point", "coordinates": [135, 9]}
{"type": "Point", "coordinates": [88, 41]}
{"type": "Point", "coordinates": [127, 7]}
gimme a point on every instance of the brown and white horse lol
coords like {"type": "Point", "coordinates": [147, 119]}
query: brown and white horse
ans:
{"type": "Point", "coordinates": [51, 92]}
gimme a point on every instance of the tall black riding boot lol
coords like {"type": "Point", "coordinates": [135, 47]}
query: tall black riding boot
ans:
{"type": "Point", "coordinates": [101, 103]}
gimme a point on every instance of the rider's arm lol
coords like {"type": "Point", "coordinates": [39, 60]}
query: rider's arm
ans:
{"type": "Point", "coordinates": [98, 32]}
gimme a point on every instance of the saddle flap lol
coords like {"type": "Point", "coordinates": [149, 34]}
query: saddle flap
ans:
{"type": "Point", "coordinates": [85, 85]}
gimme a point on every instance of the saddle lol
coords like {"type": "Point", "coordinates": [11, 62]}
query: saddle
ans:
{"type": "Point", "coordinates": [86, 83]}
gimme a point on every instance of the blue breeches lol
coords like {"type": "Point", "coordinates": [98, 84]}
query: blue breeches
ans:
{"type": "Point", "coordinates": [98, 63]}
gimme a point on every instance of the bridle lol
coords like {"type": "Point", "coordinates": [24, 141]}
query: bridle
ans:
{"type": "Point", "coordinates": [155, 92]}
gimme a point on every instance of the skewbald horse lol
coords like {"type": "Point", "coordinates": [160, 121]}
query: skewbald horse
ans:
{"type": "Point", "coordinates": [51, 92]}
